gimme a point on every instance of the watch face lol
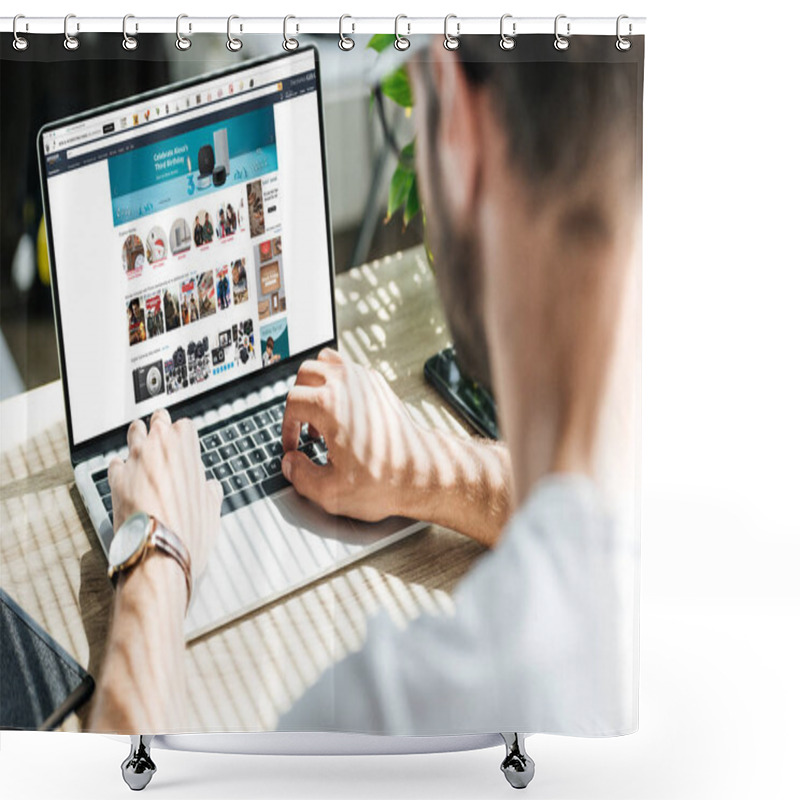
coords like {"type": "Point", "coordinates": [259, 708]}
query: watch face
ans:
{"type": "Point", "coordinates": [129, 539]}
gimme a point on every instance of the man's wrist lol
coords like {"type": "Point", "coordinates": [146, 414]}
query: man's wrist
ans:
{"type": "Point", "coordinates": [422, 477]}
{"type": "Point", "coordinates": [156, 581]}
{"type": "Point", "coordinates": [459, 483]}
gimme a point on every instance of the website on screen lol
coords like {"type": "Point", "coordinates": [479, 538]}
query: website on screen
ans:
{"type": "Point", "coordinates": [190, 240]}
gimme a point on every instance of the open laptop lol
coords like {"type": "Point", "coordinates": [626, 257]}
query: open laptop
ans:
{"type": "Point", "coordinates": [192, 268]}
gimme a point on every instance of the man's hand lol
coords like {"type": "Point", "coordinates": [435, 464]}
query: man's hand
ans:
{"type": "Point", "coordinates": [380, 462]}
{"type": "Point", "coordinates": [164, 476]}
{"type": "Point", "coordinates": [370, 437]}
{"type": "Point", "coordinates": [142, 681]}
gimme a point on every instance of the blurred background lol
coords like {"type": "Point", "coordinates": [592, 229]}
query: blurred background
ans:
{"type": "Point", "coordinates": [54, 84]}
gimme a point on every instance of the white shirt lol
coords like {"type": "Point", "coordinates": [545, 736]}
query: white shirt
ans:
{"type": "Point", "coordinates": [543, 638]}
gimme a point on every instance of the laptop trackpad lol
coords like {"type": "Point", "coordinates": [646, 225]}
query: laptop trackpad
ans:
{"type": "Point", "coordinates": [277, 545]}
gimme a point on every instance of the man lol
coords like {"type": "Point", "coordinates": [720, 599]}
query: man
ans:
{"type": "Point", "coordinates": [529, 174]}
{"type": "Point", "coordinates": [221, 230]}
{"type": "Point", "coordinates": [208, 230]}
{"type": "Point", "coordinates": [269, 356]}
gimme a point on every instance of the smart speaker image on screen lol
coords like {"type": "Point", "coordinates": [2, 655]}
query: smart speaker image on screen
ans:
{"type": "Point", "coordinates": [217, 216]}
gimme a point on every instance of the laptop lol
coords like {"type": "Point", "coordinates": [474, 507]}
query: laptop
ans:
{"type": "Point", "coordinates": [192, 268]}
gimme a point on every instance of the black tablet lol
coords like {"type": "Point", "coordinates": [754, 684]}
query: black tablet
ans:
{"type": "Point", "coordinates": [42, 683]}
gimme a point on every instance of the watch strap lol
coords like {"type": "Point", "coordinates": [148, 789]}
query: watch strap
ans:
{"type": "Point", "coordinates": [162, 538]}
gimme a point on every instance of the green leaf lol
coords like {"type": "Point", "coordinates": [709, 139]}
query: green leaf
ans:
{"type": "Point", "coordinates": [399, 189]}
{"type": "Point", "coordinates": [380, 41]}
{"type": "Point", "coordinates": [397, 87]}
{"type": "Point", "coordinates": [412, 202]}
{"type": "Point", "coordinates": [407, 153]}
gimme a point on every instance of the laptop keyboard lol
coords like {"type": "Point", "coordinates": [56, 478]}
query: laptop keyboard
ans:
{"type": "Point", "coordinates": [244, 454]}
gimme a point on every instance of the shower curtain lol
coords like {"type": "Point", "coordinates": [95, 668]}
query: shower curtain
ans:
{"type": "Point", "coordinates": [534, 629]}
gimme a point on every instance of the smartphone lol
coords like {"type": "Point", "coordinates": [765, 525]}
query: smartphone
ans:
{"type": "Point", "coordinates": [471, 400]}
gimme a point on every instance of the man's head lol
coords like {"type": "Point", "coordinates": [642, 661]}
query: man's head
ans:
{"type": "Point", "coordinates": [511, 143]}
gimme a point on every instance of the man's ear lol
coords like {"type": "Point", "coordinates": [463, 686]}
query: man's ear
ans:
{"type": "Point", "coordinates": [458, 140]}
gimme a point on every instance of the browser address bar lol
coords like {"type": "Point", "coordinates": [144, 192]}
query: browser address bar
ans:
{"type": "Point", "coordinates": [168, 122]}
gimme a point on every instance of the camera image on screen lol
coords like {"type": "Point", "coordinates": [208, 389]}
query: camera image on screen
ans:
{"type": "Point", "coordinates": [148, 381]}
{"type": "Point", "coordinates": [244, 341]}
{"type": "Point", "coordinates": [175, 372]}
{"type": "Point", "coordinates": [197, 354]}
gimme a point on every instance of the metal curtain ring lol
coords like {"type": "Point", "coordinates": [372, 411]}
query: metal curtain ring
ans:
{"type": "Point", "coordinates": [561, 42]}
{"type": "Point", "coordinates": [507, 42]}
{"type": "Point", "coordinates": [128, 42]}
{"type": "Point", "coordinates": [345, 42]}
{"type": "Point", "coordinates": [181, 42]}
{"type": "Point", "coordinates": [233, 44]}
{"type": "Point", "coordinates": [451, 42]}
{"type": "Point", "coordinates": [20, 42]}
{"type": "Point", "coordinates": [70, 42]}
{"type": "Point", "coordinates": [623, 44]}
{"type": "Point", "coordinates": [401, 42]}
{"type": "Point", "coordinates": [290, 43]}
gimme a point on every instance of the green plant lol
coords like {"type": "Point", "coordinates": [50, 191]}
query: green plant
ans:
{"type": "Point", "coordinates": [403, 190]}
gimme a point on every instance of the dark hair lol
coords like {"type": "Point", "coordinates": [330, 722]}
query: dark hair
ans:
{"type": "Point", "coordinates": [563, 111]}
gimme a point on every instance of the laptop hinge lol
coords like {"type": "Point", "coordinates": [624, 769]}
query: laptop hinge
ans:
{"type": "Point", "coordinates": [117, 438]}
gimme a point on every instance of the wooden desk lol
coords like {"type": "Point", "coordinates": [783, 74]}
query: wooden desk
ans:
{"type": "Point", "coordinates": [243, 676]}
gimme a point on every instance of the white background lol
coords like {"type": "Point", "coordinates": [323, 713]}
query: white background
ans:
{"type": "Point", "coordinates": [720, 611]}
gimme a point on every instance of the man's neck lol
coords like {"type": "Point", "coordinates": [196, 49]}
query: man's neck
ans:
{"type": "Point", "coordinates": [552, 306]}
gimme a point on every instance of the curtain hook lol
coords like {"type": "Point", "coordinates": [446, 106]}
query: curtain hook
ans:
{"type": "Point", "coordinates": [233, 44]}
{"type": "Point", "coordinates": [181, 42]}
{"type": "Point", "coordinates": [290, 43]}
{"type": "Point", "coordinates": [20, 42]}
{"type": "Point", "coordinates": [345, 42]}
{"type": "Point", "coordinates": [561, 42]}
{"type": "Point", "coordinates": [71, 42]}
{"type": "Point", "coordinates": [129, 42]}
{"type": "Point", "coordinates": [507, 42]}
{"type": "Point", "coordinates": [401, 42]}
{"type": "Point", "coordinates": [451, 42]}
{"type": "Point", "coordinates": [623, 44]}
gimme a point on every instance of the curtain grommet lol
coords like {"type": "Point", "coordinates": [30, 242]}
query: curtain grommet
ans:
{"type": "Point", "coordinates": [507, 42]}
{"type": "Point", "coordinates": [20, 43]}
{"type": "Point", "coordinates": [71, 42]}
{"type": "Point", "coordinates": [181, 42]}
{"type": "Point", "coordinates": [623, 44]}
{"type": "Point", "coordinates": [401, 42]}
{"type": "Point", "coordinates": [233, 44]}
{"type": "Point", "coordinates": [561, 42]}
{"type": "Point", "coordinates": [346, 43]}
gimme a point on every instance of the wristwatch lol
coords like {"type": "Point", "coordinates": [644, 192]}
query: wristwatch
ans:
{"type": "Point", "coordinates": [140, 533]}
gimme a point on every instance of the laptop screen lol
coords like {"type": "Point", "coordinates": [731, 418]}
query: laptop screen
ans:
{"type": "Point", "coordinates": [190, 237]}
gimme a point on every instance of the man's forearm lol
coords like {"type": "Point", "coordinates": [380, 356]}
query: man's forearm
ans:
{"type": "Point", "coordinates": [142, 687]}
{"type": "Point", "coordinates": [463, 484]}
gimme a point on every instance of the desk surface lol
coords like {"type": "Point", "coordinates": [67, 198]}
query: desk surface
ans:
{"type": "Point", "coordinates": [244, 675]}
